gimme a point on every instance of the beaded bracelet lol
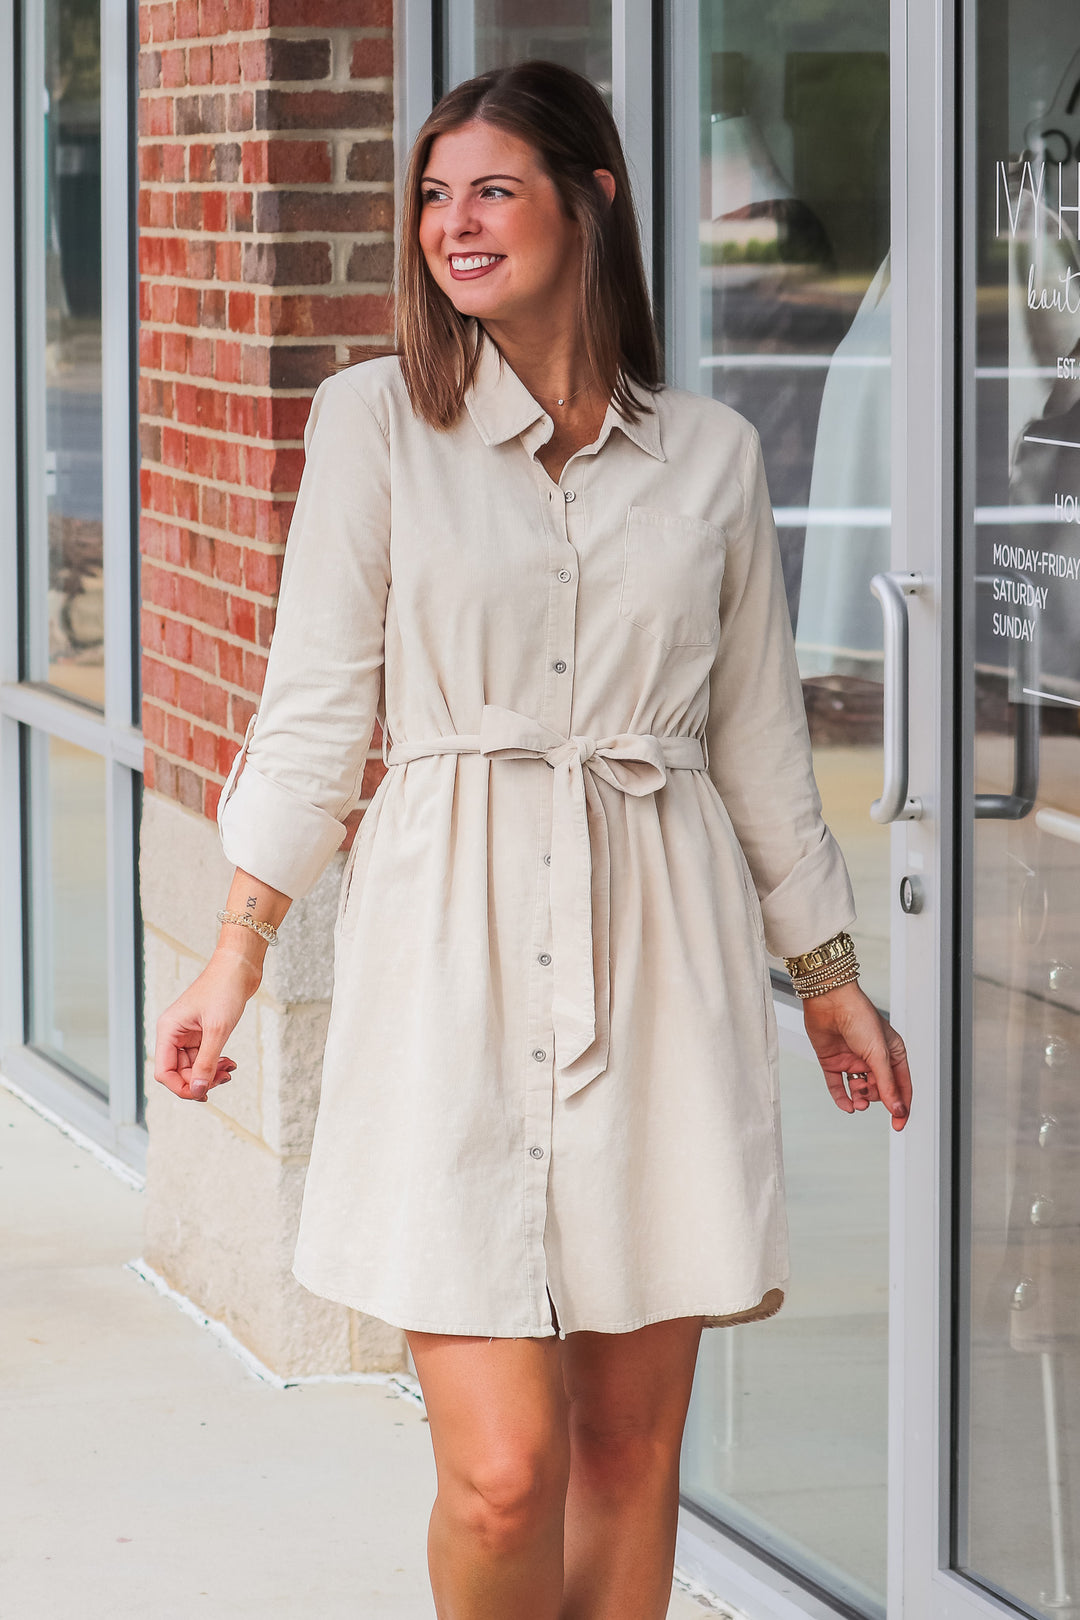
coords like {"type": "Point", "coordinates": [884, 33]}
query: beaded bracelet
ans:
{"type": "Point", "coordinates": [265, 930]}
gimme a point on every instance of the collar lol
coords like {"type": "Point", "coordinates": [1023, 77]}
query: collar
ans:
{"type": "Point", "coordinates": [502, 407]}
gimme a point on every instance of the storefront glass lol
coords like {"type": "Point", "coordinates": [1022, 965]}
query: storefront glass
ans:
{"type": "Point", "coordinates": [69, 958]}
{"type": "Point", "coordinates": [63, 357]}
{"type": "Point", "coordinates": [1018, 1352]}
{"type": "Point", "coordinates": [576, 33]}
{"type": "Point", "coordinates": [787, 1436]}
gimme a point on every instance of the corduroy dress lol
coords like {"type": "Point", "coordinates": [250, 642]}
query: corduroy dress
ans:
{"type": "Point", "coordinates": [550, 1078]}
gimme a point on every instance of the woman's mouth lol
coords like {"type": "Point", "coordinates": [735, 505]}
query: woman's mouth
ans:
{"type": "Point", "coordinates": [467, 266]}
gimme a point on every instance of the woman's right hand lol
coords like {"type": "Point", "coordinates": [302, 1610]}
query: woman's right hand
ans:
{"type": "Point", "coordinates": [188, 1058]}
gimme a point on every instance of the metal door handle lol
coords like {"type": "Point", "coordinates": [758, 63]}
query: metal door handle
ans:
{"type": "Point", "coordinates": [1019, 803]}
{"type": "Point", "coordinates": [892, 591]}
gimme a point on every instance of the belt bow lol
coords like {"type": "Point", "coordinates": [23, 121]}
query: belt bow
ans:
{"type": "Point", "coordinates": [634, 762]}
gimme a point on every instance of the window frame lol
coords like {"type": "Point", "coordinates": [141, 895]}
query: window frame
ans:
{"type": "Point", "coordinates": [29, 706]}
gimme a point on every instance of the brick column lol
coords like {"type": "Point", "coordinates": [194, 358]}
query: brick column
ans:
{"type": "Point", "coordinates": [266, 220]}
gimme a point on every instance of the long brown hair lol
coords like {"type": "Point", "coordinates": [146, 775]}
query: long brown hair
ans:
{"type": "Point", "coordinates": [564, 118]}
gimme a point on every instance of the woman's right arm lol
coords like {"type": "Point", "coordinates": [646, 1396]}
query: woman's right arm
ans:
{"type": "Point", "coordinates": [296, 784]}
{"type": "Point", "coordinates": [191, 1033]}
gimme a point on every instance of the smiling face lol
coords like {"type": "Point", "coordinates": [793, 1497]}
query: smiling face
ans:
{"type": "Point", "coordinates": [493, 231]}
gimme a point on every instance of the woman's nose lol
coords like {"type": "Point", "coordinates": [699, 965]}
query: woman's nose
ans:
{"type": "Point", "coordinates": [461, 218]}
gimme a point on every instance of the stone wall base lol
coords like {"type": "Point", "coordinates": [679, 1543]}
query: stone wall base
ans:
{"type": "Point", "coordinates": [225, 1177]}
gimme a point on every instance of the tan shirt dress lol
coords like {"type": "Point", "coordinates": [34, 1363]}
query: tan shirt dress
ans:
{"type": "Point", "coordinates": [551, 1070]}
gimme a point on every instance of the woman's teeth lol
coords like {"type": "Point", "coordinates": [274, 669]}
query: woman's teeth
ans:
{"type": "Point", "coordinates": [479, 261]}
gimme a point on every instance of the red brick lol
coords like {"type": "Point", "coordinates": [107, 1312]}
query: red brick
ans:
{"type": "Point", "coordinates": [314, 212]}
{"type": "Point", "coordinates": [173, 69]}
{"type": "Point", "coordinates": [204, 748]}
{"type": "Point", "coordinates": [241, 312]}
{"type": "Point", "coordinates": [227, 63]}
{"type": "Point", "coordinates": [149, 161]}
{"type": "Point", "coordinates": [161, 22]}
{"type": "Point", "coordinates": [153, 723]}
{"type": "Point", "coordinates": [323, 109]}
{"type": "Point", "coordinates": [212, 792]}
{"type": "Point", "coordinates": [177, 639]}
{"type": "Point", "coordinates": [262, 572]}
{"type": "Point", "coordinates": [241, 211]}
{"type": "Point", "coordinates": [159, 681]}
{"type": "Point", "coordinates": [159, 114]}
{"type": "Point", "coordinates": [230, 663]}
{"type": "Point", "coordinates": [187, 19]}
{"type": "Point", "coordinates": [328, 13]}
{"type": "Point", "coordinates": [174, 158]}
{"type": "Point", "coordinates": [294, 162]}
{"type": "Point", "coordinates": [372, 59]}
{"type": "Point", "coordinates": [241, 710]}
{"type": "Point", "coordinates": [203, 654]}
{"type": "Point", "coordinates": [298, 315]}
{"type": "Point", "coordinates": [200, 65]}
{"type": "Point", "coordinates": [214, 211]}
{"type": "Point", "coordinates": [241, 618]}
{"type": "Point", "coordinates": [254, 671]}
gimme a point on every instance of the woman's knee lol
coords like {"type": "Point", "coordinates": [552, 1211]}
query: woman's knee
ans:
{"type": "Point", "coordinates": [619, 1455]}
{"type": "Point", "coordinates": [511, 1494]}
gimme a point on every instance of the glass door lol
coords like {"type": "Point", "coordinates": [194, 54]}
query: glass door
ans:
{"type": "Point", "coordinates": [1016, 1482]}
{"type": "Point", "coordinates": [780, 305]}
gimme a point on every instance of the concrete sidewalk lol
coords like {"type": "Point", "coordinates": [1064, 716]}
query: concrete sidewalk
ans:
{"type": "Point", "coordinates": [147, 1473]}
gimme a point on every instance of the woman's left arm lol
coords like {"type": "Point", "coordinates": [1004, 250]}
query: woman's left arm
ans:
{"type": "Point", "coordinates": [761, 762]}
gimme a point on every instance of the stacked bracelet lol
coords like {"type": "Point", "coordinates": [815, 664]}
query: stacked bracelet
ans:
{"type": "Point", "coordinates": [828, 967]}
{"type": "Point", "coordinates": [265, 930]}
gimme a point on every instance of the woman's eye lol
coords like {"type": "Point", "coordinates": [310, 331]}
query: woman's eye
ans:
{"type": "Point", "coordinates": [495, 191]}
{"type": "Point", "coordinates": [431, 194]}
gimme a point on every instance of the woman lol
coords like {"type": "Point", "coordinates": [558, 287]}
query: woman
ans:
{"type": "Point", "coordinates": [548, 1140]}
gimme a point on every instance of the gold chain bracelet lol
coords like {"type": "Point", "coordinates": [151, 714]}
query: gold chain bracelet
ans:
{"type": "Point", "coordinates": [265, 930]}
{"type": "Point", "coordinates": [825, 968]}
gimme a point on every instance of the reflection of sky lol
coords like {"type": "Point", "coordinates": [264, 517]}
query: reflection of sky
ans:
{"type": "Point", "coordinates": [73, 430]}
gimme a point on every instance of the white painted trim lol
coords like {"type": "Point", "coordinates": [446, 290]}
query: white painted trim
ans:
{"type": "Point", "coordinates": [48, 710]}
{"type": "Point", "coordinates": [682, 165]}
{"type": "Point", "coordinates": [413, 80]}
{"type": "Point", "coordinates": [754, 1588]}
{"type": "Point", "coordinates": [632, 106]}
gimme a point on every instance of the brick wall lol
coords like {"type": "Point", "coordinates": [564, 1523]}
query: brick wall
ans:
{"type": "Point", "coordinates": [266, 245]}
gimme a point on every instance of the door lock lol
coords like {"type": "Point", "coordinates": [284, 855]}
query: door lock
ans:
{"type": "Point", "coordinates": [911, 896]}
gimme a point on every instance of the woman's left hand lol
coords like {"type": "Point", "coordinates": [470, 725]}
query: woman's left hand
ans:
{"type": "Point", "coordinates": [853, 1041]}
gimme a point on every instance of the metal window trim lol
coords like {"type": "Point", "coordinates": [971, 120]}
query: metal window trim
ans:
{"type": "Point", "coordinates": [414, 81]}
{"type": "Point", "coordinates": [42, 710]}
{"type": "Point", "coordinates": [75, 1102]}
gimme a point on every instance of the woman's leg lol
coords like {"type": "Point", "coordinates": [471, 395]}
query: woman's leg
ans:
{"type": "Point", "coordinates": [628, 1395]}
{"type": "Point", "coordinates": [497, 1410]}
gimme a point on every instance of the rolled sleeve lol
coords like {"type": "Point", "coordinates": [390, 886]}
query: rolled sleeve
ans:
{"type": "Point", "coordinates": [298, 774]}
{"type": "Point", "coordinates": [760, 757]}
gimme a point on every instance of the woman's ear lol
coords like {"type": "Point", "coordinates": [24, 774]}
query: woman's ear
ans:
{"type": "Point", "coordinates": [606, 181]}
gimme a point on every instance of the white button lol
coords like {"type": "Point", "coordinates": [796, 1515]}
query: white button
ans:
{"type": "Point", "coordinates": [565, 575]}
{"type": "Point", "coordinates": [547, 860]}
{"type": "Point", "coordinates": [559, 666]}
{"type": "Point", "coordinates": [536, 1152]}
{"type": "Point", "coordinates": [568, 496]}
{"type": "Point", "coordinates": [544, 959]}
{"type": "Point", "coordinates": [539, 1054]}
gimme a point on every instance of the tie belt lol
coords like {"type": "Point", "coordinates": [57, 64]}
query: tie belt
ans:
{"type": "Point", "coordinates": [636, 763]}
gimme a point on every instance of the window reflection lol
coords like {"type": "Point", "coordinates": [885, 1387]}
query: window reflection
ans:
{"type": "Point", "coordinates": [68, 881]}
{"type": "Point", "coordinates": [1018, 1468]}
{"type": "Point", "coordinates": [795, 334]}
{"type": "Point", "coordinates": [576, 33]}
{"type": "Point", "coordinates": [63, 368]}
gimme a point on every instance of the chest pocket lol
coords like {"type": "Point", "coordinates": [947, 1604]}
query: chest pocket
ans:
{"type": "Point", "coordinates": [672, 569]}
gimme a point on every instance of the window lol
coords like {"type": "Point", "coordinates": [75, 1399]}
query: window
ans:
{"type": "Point", "coordinates": [71, 753]}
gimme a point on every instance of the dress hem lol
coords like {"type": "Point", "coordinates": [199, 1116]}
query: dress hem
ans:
{"type": "Point", "coordinates": [763, 1305]}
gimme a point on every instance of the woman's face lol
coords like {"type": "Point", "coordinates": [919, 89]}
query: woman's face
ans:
{"type": "Point", "coordinates": [493, 230]}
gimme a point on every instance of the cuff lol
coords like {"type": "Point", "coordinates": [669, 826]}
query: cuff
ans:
{"type": "Point", "coordinates": [268, 831]}
{"type": "Point", "coordinates": [813, 903]}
